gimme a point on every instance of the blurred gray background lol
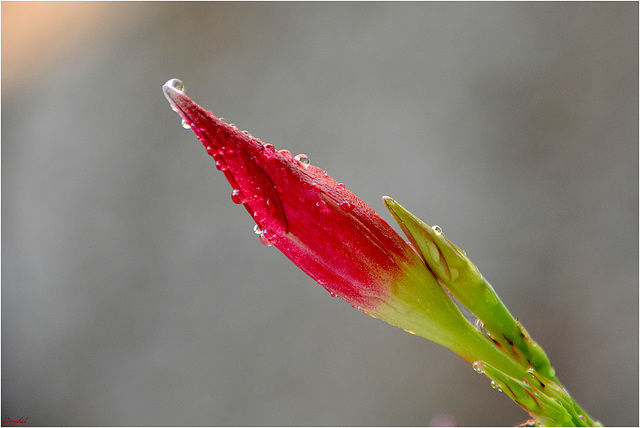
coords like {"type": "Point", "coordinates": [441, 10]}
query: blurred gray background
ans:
{"type": "Point", "coordinates": [134, 292]}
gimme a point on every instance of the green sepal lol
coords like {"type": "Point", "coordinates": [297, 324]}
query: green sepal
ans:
{"type": "Point", "coordinates": [462, 278]}
{"type": "Point", "coordinates": [547, 410]}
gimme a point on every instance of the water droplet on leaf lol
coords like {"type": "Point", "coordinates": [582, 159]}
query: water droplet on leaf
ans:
{"type": "Point", "coordinates": [437, 230]}
{"type": "Point", "coordinates": [257, 230]}
{"type": "Point", "coordinates": [477, 368]}
{"type": "Point", "coordinates": [185, 125]}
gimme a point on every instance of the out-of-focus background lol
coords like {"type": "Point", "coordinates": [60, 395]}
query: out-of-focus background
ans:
{"type": "Point", "coordinates": [134, 292]}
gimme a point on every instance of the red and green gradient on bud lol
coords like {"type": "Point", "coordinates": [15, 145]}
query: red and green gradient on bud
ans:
{"type": "Point", "coordinates": [336, 238]}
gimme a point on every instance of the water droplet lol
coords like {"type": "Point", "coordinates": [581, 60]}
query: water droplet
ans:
{"type": "Point", "coordinates": [176, 84]}
{"type": "Point", "coordinates": [333, 294]}
{"type": "Point", "coordinates": [340, 186]}
{"type": "Point", "coordinates": [303, 159]}
{"type": "Point", "coordinates": [413, 333]}
{"type": "Point", "coordinates": [437, 230]}
{"type": "Point", "coordinates": [237, 196]}
{"type": "Point", "coordinates": [264, 240]}
{"type": "Point", "coordinates": [494, 385]}
{"type": "Point", "coordinates": [185, 125]}
{"type": "Point", "coordinates": [221, 165]}
{"type": "Point", "coordinates": [477, 368]}
{"type": "Point", "coordinates": [479, 324]}
{"type": "Point", "coordinates": [209, 149]}
{"type": "Point", "coordinates": [323, 206]}
{"type": "Point", "coordinates": [286, 153]}
{"type": "Point", "coordinates": [257, 230]}
{"type": "Point", "coordinates": [346, 205]}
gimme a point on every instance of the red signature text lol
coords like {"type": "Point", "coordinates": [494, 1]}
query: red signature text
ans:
{"type": "Point", "coordinates": [8, 421]}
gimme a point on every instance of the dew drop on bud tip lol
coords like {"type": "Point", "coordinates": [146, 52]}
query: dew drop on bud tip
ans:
{"type": "Point", "coordinates": [257, 230]}
{"type": "Point", "coordinates": [437, 230]}
{"type": "Point", "coordinates": [185, 125]}
{"type": "Point", "coordinates": [303, 159]}
{"type": "Point", "coordinates": [176, 84]}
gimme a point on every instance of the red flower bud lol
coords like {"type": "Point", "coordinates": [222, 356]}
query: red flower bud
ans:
{"type": "Point", "coordinates": [333, 236]}
{"type": "Point", "coordinates": [312, 219]}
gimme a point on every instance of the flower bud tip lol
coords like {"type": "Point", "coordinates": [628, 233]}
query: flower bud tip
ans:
{"type": "Point", "coordinates": [171, 89]}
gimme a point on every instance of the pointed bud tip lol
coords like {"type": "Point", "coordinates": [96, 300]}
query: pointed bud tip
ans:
{"type": "Point", "coordinates": [173, 85]}
{"type": "Point", "coordinates": [389, 201]}
{"type": "Point", "coordinates": [172, 90]}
